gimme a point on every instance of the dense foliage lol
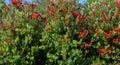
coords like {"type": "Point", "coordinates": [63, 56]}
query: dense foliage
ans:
{"type": "Point", "coordinates": [60, 33]}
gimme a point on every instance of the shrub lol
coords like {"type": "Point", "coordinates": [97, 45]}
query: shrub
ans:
{"type": "Point", "coordinates": [62, 34]}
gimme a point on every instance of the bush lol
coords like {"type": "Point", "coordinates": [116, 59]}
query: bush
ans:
{"type": "Point", "coordinates": [62, 34]}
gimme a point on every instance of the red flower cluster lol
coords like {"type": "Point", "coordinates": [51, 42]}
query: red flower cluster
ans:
{"type": "Point", "coordinates": [34, 15]}
{"type": "Point", "coordinates": [33, 5]}
{"type": "Point", "coordinates": [105, 51]}
{"type": "Point", "coordinates": [16, 2]}
{"type": "Point", "coordinates": [117, 4]}
{"type": "Point", "coordinates": [108, 34]}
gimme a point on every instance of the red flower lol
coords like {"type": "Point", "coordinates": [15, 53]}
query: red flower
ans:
{"type": "Point", "coordinates": [77, 20]}
{"type": "Point", "coordinates": [62, 10]}
{"type": "Point", "coordinates": [34, 15]}
{"type": "Point", "coordinates": [93, 12]}
{"type": "Point", "coordinates": [113, 9]}
{"type": "Point", "coordinates": [110, 48]}
{"type": "Point", "coordinates": [118, 14]}
{"type": "Point", "coordinates": [7, 8]}
{"type": "Point", "coordinates": [75, 13]}
{"type": "Point", "coordinates": [97, 32]}
{"type": "Point", "coordinates": [16, 2]}
{"type": "Point", "coordinates": [117, 30]}
{"type": "Point", "coordinates": [107, 41]}
{"type": "Point", "coordinates": [45, 23]}
{"type": "Point", "coordinates": [82, 34]}
{"type": "Point", "coordinates": [105, 3]}
{"type": "Point", "coordinates": [18, 7]}
{"type": "Point", "coordinates": [117, 2]}
{"type": "Point", "coordinates": [81, 16]}
{"type": "Point", "coordinates": [91, 31]}
{"type": "Point", "coordinates": [50, 13]}
{"type": "Point", "coordinates": [87, 18]}
{"type": "Point", "coordinates": [107, 19]}
{"type": "Point", "coordinates": [88, 45]}
{"type": "Point", "coordinates": [68, 13]}
{"type": "Point", "coordinates": [101, 50]}
{"type": "Point", "coordinates": [12, 30]}
{"type": "Point", "coordinates": [8, 41]}
{"type": "Point", "coordinates": [33, 5]}
{"type": "Point", "coordinates": [5, 25]}
{"type": "Point", "coordinates": [63, 3]}
{"type": "Point", "coordinates": [81, 45]}
{"type": "Point", "coordinates": [116, 40]}
{"type": "Point", "coordinates": [51, 2]}
{"type": "Point", "coordinates": [65, 38]}
{"type": "Point", "coordinates": [108, 34]}
{"type": "Point", "coordinates": [66, 22]}
{"type": "Point", "coordinates": [48, 29]}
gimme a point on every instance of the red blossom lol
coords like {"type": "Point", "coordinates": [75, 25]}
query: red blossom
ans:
{"type": "Point", "coordinates": [117, 30]}
{"type": "Point", "coordinates": [33, 5]}
{"type": "Point", "coordinates": [68, 5]}
{"type": "Point", "coordinates": [48, 29]}
{"type": "Point", "coordinates": [66, 22]}
{"type": "Point", "coordinates": [82, 34]}
{"type": "Point", "coordinates": [50, 13]}
{"type": "Point", "coordinates": [116, 40]}
{"type": "Point", "coordinates": [12, 30]}
{"type": "Point", "coordinates": [45, 22]}
{"type": "Point", "coordinates": [91, 31]}
{"type": "Point", "coordinates": [51, 2]}
{"type": "Point", "coordinates": [81, 45]}
{"type": "Point", "coordinates": [63, 3]}
{"type": "Point", "coordinates": [34, 15]}
{"type": "Point", "coordinates": [101, 50]}
{"type": "Point", "coordinates": [77, 20]}
{"type": "Point", "coordinates": [75, 13]}
{"type": "Point", "coordinates": [8, 41]}
{"type": "Point", "coordinates": [107, 19]}
{"type": "Point", "coordinates": [62, 10]}
{"type": "Point", "coordinates": [93, 12]}
{"type": "Point", "coordinates": [97, 32]}
{"type": "Point", "coordinates": [111, 48]}
{"type": "Point", "coordinates": [6, 25]}
{"type": "Point", "coordinates": [88, 45]}
{"type": "Point", "coordinates": [105, 3]}
{"type": "Point", "coordinates": [107, 41]}
{"type": "Point", "coordinates": [16, 2]}
{"type": "Point", "coordinates": [117, 2]}
{"type": "Point", "coordinates": [65, 38]}
{"type": "Point", "coordinates": [87, 18]}
{"type": "Point", "coordinates": [81, 16]}
{"type": "Point", "coordinates": [39, 17]}
{"type": "Point", "coordinates": [18, 7]}
{"type": "Point", "coordinates": [7, 8]}
{"type": "Point", "coordinates": [68, 13]}
{"type": "Point", "coordinates": [108, 34]}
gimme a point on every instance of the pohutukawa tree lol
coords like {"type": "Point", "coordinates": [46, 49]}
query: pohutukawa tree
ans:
{"type": "Point", "coordinates": [60, 32]}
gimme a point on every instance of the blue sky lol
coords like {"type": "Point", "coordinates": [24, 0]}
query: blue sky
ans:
{"type": "Point", "coordinates": [9, 1]}
{"type": "Point", "coordinates": [80, 1]}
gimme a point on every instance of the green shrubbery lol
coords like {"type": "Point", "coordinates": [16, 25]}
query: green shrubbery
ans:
{"type": "Point", "coordinates": [60, 33]}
